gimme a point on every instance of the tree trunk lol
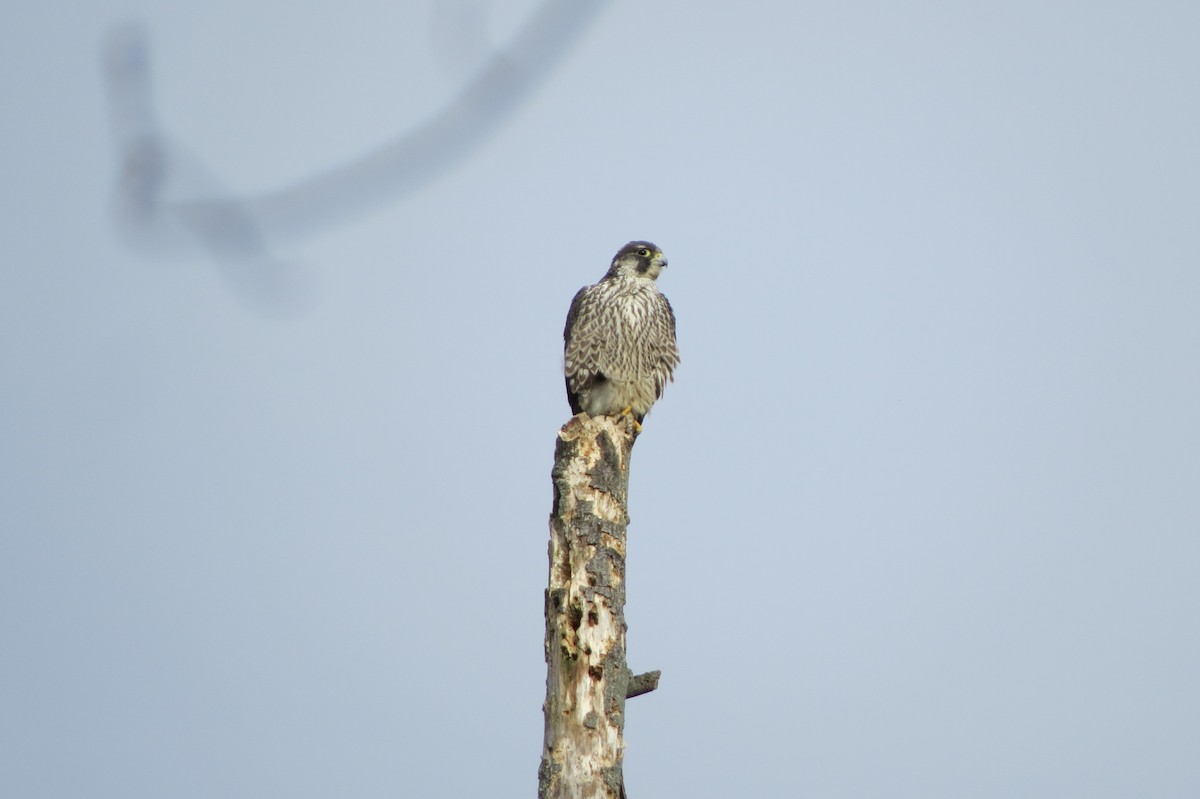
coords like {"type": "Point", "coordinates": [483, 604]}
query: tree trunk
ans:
{"type": "Point", "coordinates": [587, 679]}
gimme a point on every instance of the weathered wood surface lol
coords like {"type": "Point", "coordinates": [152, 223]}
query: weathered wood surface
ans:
{"type": "Point", "coordinates": [587, 678]}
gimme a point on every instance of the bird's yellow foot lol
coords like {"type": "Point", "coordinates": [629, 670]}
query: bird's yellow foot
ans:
{"type": "Point", "coordinates": [628, 411]}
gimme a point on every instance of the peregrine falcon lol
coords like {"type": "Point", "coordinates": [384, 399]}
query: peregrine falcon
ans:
{"type": "Point", "coordinates": [619, 344]}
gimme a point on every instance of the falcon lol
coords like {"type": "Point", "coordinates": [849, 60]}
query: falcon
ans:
{"type": "Point", "coordinates": [619, 343]}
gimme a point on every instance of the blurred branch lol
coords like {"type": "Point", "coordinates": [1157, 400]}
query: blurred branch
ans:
{"type": "Point", "coordinates": [234, 227]}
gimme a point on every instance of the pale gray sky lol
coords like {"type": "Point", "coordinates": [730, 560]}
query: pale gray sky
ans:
{"type": "Point", "coordinates": [919, 518]}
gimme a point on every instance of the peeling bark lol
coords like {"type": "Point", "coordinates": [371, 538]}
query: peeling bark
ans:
{"type": "Point", "coordinates": [587, 679]}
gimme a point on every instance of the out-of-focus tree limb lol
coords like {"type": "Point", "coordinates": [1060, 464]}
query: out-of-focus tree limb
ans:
{"type": "Point", "coordinates": [235, 227]}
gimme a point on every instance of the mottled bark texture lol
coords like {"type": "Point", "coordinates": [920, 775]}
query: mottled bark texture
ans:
{"type": "Point", "coordinates": [587, 679]}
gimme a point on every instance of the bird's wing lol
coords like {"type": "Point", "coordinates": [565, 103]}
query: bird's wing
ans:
{"type": "Point", "coordinates": [581, 344]}
{"type": "Point", "coordinates": [662, 346]}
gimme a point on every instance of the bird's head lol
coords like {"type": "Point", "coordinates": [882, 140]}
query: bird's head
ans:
{"type": "Point", "coordinates": [638, 259]}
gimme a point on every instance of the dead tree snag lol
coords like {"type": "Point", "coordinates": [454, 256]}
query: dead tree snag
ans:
{"type": "Point", "coordinates": [587, 679]}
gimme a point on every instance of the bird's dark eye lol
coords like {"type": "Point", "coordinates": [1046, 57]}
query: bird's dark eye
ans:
{"type": "Point", "coordinates": [644, 252]}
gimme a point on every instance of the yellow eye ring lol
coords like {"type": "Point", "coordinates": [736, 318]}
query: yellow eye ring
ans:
{"type": "Point", "coordinates": [644, 252]}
